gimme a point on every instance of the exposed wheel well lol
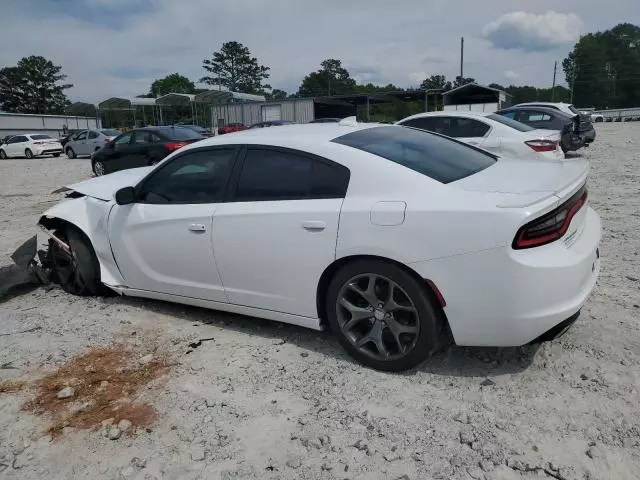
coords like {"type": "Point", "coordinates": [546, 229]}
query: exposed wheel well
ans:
{"type": "Point", "coordinates": [331, 270]}
{"type": "Point", "coordinates": [55, 223]}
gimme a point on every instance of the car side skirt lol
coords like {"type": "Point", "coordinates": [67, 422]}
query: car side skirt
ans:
{"type": "Point", "coordinates": [306, 322]}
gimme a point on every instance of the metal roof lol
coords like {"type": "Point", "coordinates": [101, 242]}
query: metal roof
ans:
{"type": "Point", "coordinates": [471, 85]}
{"type": "Point", "coordinates": [175, 99]}
{"type": "Point", "coordinates": [118, 102]}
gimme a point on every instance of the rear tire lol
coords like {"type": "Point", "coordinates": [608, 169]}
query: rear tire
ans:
{"type": "Point", "coordinates": [99, 169]}
{"type": "Point", "coordinates": [3, 155]}
{"type": "Point", "coordinates": [28, 153]}
{"type": "Point", "coordinates": [78, 272]}
{"type": "Point", "coordinates": [402, 329]}
{"type": "Point", "coordinates": [70, 153]}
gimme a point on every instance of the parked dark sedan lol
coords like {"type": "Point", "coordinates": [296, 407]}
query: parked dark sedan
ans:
{"type": "Point", "coordinates": [550, 119]}
{"type": "Point", "coordinates": [141, 147]}
{"type": "Point", "coordinates": [271, 123]}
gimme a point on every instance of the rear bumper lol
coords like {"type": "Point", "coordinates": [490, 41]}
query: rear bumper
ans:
{"type": "Point", "coordinates": [504, 297]}
{"type": "Point", "coordinates": [47, 150]}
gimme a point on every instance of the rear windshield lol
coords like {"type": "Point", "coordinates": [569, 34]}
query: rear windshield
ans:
{"type": "Point", "coordinates": [110, 133]}
{"type": "Point", "coordinates": [521, 127]}
{"type": "Point", "coordinates": [437, 157]}
{"type": "Point", "coordinates": [180, 133]}
{"type": "Point", "coordinates": [40, 137]}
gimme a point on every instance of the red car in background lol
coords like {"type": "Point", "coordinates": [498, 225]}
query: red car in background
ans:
{"type": "Point", "coordinates": [231, 127]}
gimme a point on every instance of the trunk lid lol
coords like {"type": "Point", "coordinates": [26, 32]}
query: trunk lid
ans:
{"type": "Point", "coordinates": [527, 182]}
{"type": "Point", "coordinates": [105, 187]}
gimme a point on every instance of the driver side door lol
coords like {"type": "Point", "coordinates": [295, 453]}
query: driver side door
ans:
{"type": "Point", "coordinates": [163, 242]}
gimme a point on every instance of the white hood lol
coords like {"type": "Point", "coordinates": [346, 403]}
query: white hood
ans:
{"type": "Point", "coordinates": [105, 187]}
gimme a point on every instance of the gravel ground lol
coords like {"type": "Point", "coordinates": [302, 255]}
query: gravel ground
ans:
{"type": "Point", "coordinates": [265, 400]}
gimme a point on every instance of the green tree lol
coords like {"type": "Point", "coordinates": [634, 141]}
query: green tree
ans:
{"type": "Point", "coordinates": [331, 79]}
{"type": "Point", "coordinates": [436, 82]}
{"type": "Point", "coordinates": [276, 94]}
{"type": "Point", "coordinates": [235, 68]}
{"type": "Point", "coordinates": [33, 86]}
{"type": "Point", "coordinates": [604, 68]}
{"type": "Point", "coordinates": [459, 81]}
{"type": "Point", "coordinates": [174, 83]}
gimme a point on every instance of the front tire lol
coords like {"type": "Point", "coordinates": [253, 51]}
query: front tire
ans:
{"type": "Point", "coordinates": [28, 153]}
{"type": "Point", "coordinates": [77, 271]}
{"type": "Point", "coordinates": [3, 155]}
{"type": "Point", "coordinates": [383, 317]}
{"type": "Point", "coordinates": [70, 153]}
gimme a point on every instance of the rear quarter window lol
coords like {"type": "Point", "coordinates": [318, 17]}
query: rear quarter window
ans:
{"type": "Point", "coordinates": [439, 158]}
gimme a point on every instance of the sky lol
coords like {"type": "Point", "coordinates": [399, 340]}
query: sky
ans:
{"type": "Point", "coordinates": [116, 48]}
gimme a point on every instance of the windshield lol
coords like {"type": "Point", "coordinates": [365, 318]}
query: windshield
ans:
{"type": "Point", "coordinates": [40, 137]}
{"type": "Point", "coordinates": [180, 133]}
{"type": "Point", "coordinates": [509, 122]}
{"type": "Point", "coordinates": [437, 157]}
{"type": "Point", "coordinates": [110, 132]}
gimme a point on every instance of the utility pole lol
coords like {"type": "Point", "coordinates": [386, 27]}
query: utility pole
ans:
{"type": "Point", "coordinates": [553, 88]}
{"type": "Point", "coordinates": [461, 58]}
{"type": "Point", "coordinates": [573, 81]}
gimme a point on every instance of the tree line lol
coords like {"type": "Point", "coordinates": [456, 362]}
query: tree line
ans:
{"type": "Point", "coordinates": [602, 70]}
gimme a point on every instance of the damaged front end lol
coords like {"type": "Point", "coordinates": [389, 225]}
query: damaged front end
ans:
{"type": "Point", "coordinates": [35, 254]}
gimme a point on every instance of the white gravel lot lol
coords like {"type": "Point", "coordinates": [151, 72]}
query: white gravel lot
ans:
{"type": "Point", "coordinates": [271, 401]}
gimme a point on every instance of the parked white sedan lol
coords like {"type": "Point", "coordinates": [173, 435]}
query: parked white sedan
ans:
{"type": "Point", "coordinates": [30, 145]}
{"type": "Point", "coordinates": [495, 133]}
{"type": "Point", "coordinates": [397, 239]}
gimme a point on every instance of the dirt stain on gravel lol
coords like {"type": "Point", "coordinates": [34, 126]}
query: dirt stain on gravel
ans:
{"type": "Point", "coordinates": [105, 383]}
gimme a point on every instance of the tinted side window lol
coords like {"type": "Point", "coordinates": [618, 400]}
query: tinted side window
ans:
{"type": "Point", "coordinates": [511, 115]}
{"type": "Point", "coordinates": [93, 134]}
{"type": "Point", "coordinates": [141, 136]}
{"type": "Point", "coordinates": [329, 180]}
{"type": "Point", "coordinates": [273, 175]}
{"type": "Point", "coordinates": [469, 128]}
{"type": "Point", "coordinates": [196, 177]}
{"type": "Point", "coordinates": [81, 136]}
{"type": "Point", "coordinates": [123, 139]}
{"type": "Point", "coordinates": [421, 123]}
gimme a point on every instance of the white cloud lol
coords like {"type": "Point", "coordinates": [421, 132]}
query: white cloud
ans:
{"type": "Point", "coordinates": [531, 32]}
{"type": "Point", "coordinates": [148, 39]}
{"type": "Point", "coordinates": [511, 75]}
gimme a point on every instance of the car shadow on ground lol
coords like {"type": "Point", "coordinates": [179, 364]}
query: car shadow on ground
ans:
{"type": "Point", "coordinates": [455, 361]}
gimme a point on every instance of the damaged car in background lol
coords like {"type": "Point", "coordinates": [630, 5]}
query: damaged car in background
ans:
{"type": "Point", "coordinates": [400, 241]}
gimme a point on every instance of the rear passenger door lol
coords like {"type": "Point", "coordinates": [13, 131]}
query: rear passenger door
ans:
{"type": "Point", "coordinates": [277, 231]}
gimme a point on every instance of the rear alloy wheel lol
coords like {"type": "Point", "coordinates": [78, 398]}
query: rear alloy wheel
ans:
{"type": "Point", "coordinates": [383, 317]}
{"type": "Point", "coordinates": [28, 153]}
{"type": "Point", "coordinates": [98, 168]}
{"type": "Point", "coordinates": [77, 271]}
{"type": "Point", "coordinates": [70, 153]}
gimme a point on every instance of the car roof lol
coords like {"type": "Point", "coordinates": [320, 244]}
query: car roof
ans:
{"type": "Point", "coordinates": [544, 103]}
{"type": "Point", "coordinates": [537, 107]}
{"type": "Point", "coordinates": [450, 113]}
{"type": "Point", "coordinates": [295, 134]}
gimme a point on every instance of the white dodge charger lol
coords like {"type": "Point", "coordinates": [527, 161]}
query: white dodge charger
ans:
{"type": "Point", "coordinates": [397, 239]}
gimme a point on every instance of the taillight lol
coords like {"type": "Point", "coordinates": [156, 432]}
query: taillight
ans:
{"type": "Point", "coordinates": [542, 145]}
{"type": "Point", "coordinates": [173, 146]}
{"type": "Point", "coordinates": [551, 226]}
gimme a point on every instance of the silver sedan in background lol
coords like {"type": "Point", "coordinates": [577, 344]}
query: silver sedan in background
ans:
{"type": "Point", "coordinates": [87, 142]}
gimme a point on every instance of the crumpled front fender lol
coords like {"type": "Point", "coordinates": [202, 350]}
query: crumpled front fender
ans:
{"type": "Point", "coordinates": [91, 216]}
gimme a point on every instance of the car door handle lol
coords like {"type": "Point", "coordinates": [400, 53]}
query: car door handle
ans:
{"type": "Point", "coordinates": [314, 226]}
{"type": "Point", "coordinates": [197, 227]}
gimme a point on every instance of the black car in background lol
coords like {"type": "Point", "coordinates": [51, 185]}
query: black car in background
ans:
{"type": "Point", "coordinates": [271, 123]}
{"type": "Point", "coordinates": [141, 147]}
{"type": "Point", "coordinates": [550, 119]}
{"type": "Point", "coordinates": [198, 129]}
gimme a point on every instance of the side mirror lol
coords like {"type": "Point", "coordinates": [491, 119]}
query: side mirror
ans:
{"type": "Point", "coordinates": [125, 196]}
